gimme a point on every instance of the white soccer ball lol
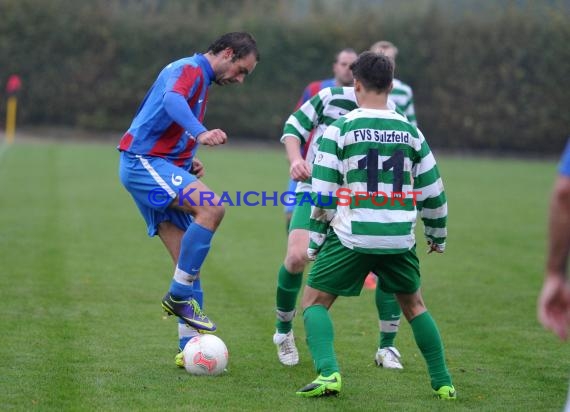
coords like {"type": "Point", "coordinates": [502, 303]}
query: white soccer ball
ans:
{"type": "Point", "coordinates": [205, 355]}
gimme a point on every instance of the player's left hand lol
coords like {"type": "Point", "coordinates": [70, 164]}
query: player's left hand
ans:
{"type": "Point", "coordinates": [435, 247]}
{"type": "Point", "coordinates": [197, 168]}
{"type": "Point", "coordinates": [300, 170]}
{"type": "Point", "coordinates": [554, 304]}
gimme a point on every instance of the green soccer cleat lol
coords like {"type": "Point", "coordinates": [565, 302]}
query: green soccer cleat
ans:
{"type": "Point", "coordinates": [446, 392]}
{"type": "Point", "coordinates": [179, 359]}
{"type": "Point", "coordinates": [322, 386]}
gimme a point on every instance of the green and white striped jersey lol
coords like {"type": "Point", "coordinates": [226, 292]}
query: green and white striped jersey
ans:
{"type": "Point", "coordinates": [403, 98]}
{"type": "Point", "coordinates": [372, 173]}
{"type": "Point", "coordinates": [311, 120]}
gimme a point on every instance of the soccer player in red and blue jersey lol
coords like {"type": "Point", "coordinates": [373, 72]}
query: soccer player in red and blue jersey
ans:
{"type": "Point", "coordinates": [342, 77]}
{"type": "Point", "coordinates": [159, 168]}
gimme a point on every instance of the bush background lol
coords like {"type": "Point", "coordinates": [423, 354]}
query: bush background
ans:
{"type": "Point", "coordinates": [487, 75]}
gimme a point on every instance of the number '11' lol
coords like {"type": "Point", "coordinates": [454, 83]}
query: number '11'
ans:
{"type": "Point", "coordinates": [370, 164]}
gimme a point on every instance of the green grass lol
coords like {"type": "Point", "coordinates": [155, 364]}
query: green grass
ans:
{"type": "Point", "coordinates": [80, 285]}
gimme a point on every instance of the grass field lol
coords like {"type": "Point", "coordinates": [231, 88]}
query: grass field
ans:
{"type": "Point", "coordinates": [81, 326]}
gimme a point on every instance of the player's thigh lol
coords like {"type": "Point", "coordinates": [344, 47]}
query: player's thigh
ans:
{"type": "Point", "coordinates": [195, 197]}
{"type": "Point", "coordinates": [203, 204]}
{"type": "Point", "coordinates": [154, 218]}
{"type": "Point", "coordinates": [399, 273]}
{"type": "Point", "coordinates": [339, 270]}
{"type": "Point", "coordinates": [152, 181]}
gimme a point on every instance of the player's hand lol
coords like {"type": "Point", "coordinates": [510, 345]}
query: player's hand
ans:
{"type": "Point", "coordinates": [435, 247]}
{"type": "Point", "coordinates": [554, 304]}
{"type": "Point", "coordinates": [312, 253]}
{"type": "Point", "coordinates": [300, 170]}
{"type": "Point", "coordinates": [197, 168]}
{"type": "Point", "coordinates": [213, 137]}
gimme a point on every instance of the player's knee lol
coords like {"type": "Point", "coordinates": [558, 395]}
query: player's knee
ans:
{"type": "Point", "coordinates": [217, 213]}
{"type": "Point", "coordinates": [296, 260]}
{"type": "Point", "coordinates": [313, 297]}
{"type": "Point", "coordinates": [210, 216]}
{"type": "Point", "coordinates": [412, 305]}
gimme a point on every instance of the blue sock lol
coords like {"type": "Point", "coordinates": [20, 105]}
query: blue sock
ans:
{"type": "Point", "coordinates": [198, 293]}
{"type": "Point", "coordinates": [185, 333]}
{"type": "Point", "coordinates": [181, 291]}
{"type": "Point", "coordinates": [194, 248]}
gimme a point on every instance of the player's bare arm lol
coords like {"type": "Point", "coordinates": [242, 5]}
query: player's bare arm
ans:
{"type": "Point", "coordinates": [299, 169]}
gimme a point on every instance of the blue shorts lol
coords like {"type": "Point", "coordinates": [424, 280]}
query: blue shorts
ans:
{"type": "Point", "coordinates": [153, 183]}
{"type": "Point", "coordinates": [291, 188]}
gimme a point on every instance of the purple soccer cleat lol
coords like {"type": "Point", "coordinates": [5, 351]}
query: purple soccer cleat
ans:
{"type": "Point", "coordinates": [189, 311]}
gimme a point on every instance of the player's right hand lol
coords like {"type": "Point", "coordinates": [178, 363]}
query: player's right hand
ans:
{"type": "Point", "coordinates": [213, 137]}
{"type": "Point", "coordinates": [300, 170]}
{"type": "Point", "coordinates": [312, 254]}
{"type": "Point", "coordinates": [197, 168]}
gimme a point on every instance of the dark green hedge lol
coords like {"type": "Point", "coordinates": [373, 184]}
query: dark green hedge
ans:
{"type": "Point", "coordinates": [495, 79]}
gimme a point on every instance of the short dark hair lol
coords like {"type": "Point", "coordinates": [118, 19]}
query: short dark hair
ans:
{"type": "Point", "coordinates": [345, 50]}
{"type": "Point", "coordinates": [241, 43]}
{"type": "Point", "coordinates": [374, 70]}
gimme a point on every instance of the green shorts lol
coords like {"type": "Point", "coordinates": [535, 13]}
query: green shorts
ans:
{"type": "Point", "coordinates": [341, 271]}
{"type": "Point", "coordinates": [301, 213]}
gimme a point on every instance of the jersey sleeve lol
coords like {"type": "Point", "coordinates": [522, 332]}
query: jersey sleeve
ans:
{"type": "Point", "coordinates": [178, 109]}
{"type": "Point", "coordinates": [184, 80]}
{"type": "Point", "coordinates": [431, 199]}
{"type": "Point", "coordinates": [181, 86]}
{"type": "Point", "coordinates": [392, 106]}
{"type": "Point", "coordinates": [409, 111]}
{"type": "Point", "coordinates": [301, 123]}
{"type": "Point", "coordinates": [327, 178]}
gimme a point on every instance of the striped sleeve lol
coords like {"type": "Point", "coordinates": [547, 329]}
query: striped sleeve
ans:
{"type": "Point", "coordinates": [326, 180]}
{"type": "Point", "coordinates": [404, 98]}
{"type": "Point", "coordinates": [431, 200]}
{"type": "Point", "coordinates": [184, 80]}
{"type": "Point", "coordinates": [409, 110]}
{"type": "Point", "coordinates": [305, 119]}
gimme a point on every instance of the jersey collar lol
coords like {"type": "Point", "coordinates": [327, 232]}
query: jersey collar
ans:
{"type": "Point", "coordinates": [206, 67]}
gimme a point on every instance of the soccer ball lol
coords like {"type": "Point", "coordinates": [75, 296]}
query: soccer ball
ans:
{"type": "Point", "coordinates": [205, 355]}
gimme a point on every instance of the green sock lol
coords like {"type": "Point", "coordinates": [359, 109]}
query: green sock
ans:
{"type": "Point", "coordinates": [320, 335]}
{"type": "Point", "coordinates": [429, 342]}
{"type": "Point", "coordinates": [288, 287]}
{"type": "Point", "coordinates": [389, 313]}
